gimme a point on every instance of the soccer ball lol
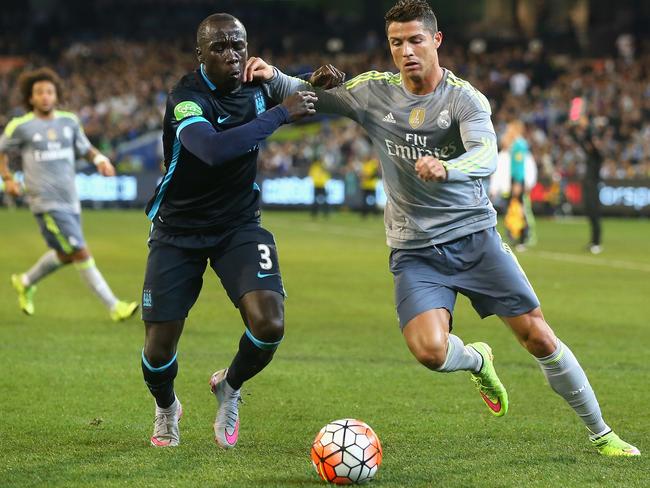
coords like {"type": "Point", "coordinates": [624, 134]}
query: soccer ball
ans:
{"type": "Point", "coordinates": [346, 451]}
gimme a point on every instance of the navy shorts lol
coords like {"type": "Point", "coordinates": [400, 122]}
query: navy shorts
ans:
{"type": "Point", "coordinates": [245, 258]}
{"type": "Point", "coordinates": [479, 266]}
{"type": "Point", "coordinates": [61, 230]}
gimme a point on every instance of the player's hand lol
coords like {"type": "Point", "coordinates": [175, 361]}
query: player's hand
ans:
{"type": "Point", "coordinates": [300, 104]}
{"type": "Point", "coordinates": [12, 188]}
{"type": "Point", "coordinates": [105, 168]}
{"type": "Point", "coordinates": [257, 70]}
{"type": "Point", "coordinates": [326, 77]}
{"type": "Point", "coordinates": [429, 168]}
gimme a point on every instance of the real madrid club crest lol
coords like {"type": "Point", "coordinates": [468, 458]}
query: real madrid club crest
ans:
{"type": "Point", "coordinates": [444, 120]}
{"type": "Point", "coordinates": [416, 118]}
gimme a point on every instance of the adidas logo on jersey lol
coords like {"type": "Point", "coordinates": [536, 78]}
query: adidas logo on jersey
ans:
{"type": "Point", "coordinates": [389, 118]}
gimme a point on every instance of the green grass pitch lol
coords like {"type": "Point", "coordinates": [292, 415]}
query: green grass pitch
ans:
{"type": "Point", "coordinates": [75, 411]}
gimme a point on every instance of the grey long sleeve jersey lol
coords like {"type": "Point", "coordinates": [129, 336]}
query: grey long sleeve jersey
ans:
{"type": "Point", "coordinates": [452, 123]}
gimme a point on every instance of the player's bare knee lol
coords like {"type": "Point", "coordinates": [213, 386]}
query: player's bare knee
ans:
{"type": "Point", "coordinates": [161, 339]}
{"type": "Point", "coordinates": [432, 356]}
{"type": "Point", "coordinates": [268, 328]}
{"type": "Point", "coordinates": [63, 257]}
{"type": "Point", "coordinates": [80, 255]}
{"type": "Point", "coordinates": [541, 341]}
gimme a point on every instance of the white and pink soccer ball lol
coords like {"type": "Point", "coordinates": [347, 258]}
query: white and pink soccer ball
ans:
{"type": "Point", "coordinates": [346, 451]}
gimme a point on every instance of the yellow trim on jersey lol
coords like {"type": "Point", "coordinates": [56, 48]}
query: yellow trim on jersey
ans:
{"type": "Point", "coordinates": [479, 158]}
{"type": "Point", "coordinates": [476, 161]}
{"type": "Point", "coordinates": [63, 113]}
{"type": "Point", "coordinates": [17, 121]}
{"type": "Point", "coordinates": [300, 80]}
{"type": "Point", "coordinates": [479, 161]}
{"type": "Point", "coordinates": [391, 78]}
{"type": "Point", "coordinates": [454, 81]}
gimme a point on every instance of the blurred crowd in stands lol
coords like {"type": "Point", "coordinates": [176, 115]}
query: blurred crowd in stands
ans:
{"type": "Point", "coordinates": [118, 89]}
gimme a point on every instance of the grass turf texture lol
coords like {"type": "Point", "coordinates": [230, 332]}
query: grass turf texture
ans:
{"type": "Point", "coordinates": [75, 411]}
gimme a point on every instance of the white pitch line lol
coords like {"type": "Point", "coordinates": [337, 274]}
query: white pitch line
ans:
{"type": "Point", "coordinates": [555, 256]}
{"type": "Point", "coordinates": [592, 261]}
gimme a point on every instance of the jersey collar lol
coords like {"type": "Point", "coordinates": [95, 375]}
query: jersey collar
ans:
{"type": "Point", "coordinates": [211, 85]}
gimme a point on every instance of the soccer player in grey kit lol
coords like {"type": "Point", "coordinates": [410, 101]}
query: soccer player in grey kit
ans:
{"type": "Point", "coordinates": [436, 143]}
{"type": "Point", "coordinates": [50, 141]}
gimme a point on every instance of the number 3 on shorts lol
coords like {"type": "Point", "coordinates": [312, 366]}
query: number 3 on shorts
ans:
{"type": "Point", "coordinates": [265, 254]}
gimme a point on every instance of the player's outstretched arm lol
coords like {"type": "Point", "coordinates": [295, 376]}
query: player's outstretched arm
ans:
{"type": "Point", "coordinates": [325, 77]}
{"type": "Point", "coordinates": [215, 148]}
{"type": "Point", "coordinates": [338, 100]}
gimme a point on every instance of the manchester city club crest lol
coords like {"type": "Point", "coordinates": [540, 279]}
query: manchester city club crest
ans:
{"type": "Point", "coordinates": [416, 118]}
{"type": "Point", "coordinates": [444, 120]}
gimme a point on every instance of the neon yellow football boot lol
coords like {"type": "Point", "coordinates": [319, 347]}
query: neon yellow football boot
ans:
{"type": "Point", "coordinates": [123, 310]}
{"type": "Point", "coordinates": [488, 383]}
{"type": "Point", "coordinates": [612, 445]}
{"type": "Point", "coordinates": [25, 294]}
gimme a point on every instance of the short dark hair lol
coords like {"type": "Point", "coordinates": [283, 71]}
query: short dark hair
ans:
{"type": "Point", "coordinates": [408, 10]}
{"type": "Point", "coordinates": [201, 31]}
{"type": "Point", "coordinates": [28, 79]}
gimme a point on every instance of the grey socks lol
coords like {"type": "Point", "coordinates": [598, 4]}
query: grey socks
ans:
{"type": "Point", "coordinates": [567, 379]}
{"type": "Point", "coordinates": [460, 357]}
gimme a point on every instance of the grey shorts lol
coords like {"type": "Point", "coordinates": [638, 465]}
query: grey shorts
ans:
{"type": "Point", "coordinates": [61, 230]}
{"type": "Point", "coordinates": [479, 266]}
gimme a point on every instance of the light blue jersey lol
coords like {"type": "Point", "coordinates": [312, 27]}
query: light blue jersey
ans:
{"type": "Point", "coordinates": [518, 154]}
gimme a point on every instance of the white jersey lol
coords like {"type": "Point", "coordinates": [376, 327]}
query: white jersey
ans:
{"type": "Point", "coordinates": [452, 123]}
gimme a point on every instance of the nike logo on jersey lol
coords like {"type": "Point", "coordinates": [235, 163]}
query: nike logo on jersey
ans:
{"type": "Point", "coordinates": [265, 275]}
{"type": "Point", "coordinates": [223, 118]}
{"type": "Point", "coordinates": [389, 118]}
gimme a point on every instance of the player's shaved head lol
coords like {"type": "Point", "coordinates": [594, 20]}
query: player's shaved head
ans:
{"type": "Point", "coordinates": [408, 10]}
{"type": "Point", "coordinates": [208, 25]}
{"type": "Point", "coordinates": [222, 50]}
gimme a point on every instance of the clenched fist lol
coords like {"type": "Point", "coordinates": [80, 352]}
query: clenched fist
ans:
{"type": "Point", "coordinates": [326, 77]}
{"type": "Point", "coordinates": [429, 168]}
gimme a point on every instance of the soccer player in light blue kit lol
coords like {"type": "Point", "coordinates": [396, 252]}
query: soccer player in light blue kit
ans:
{"type": "Point", "coordinates": [436, 143]}
{"type": "Point", "coordinates": [519, 220]}
{"type": "Point", "coordinates": [50, 141]}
